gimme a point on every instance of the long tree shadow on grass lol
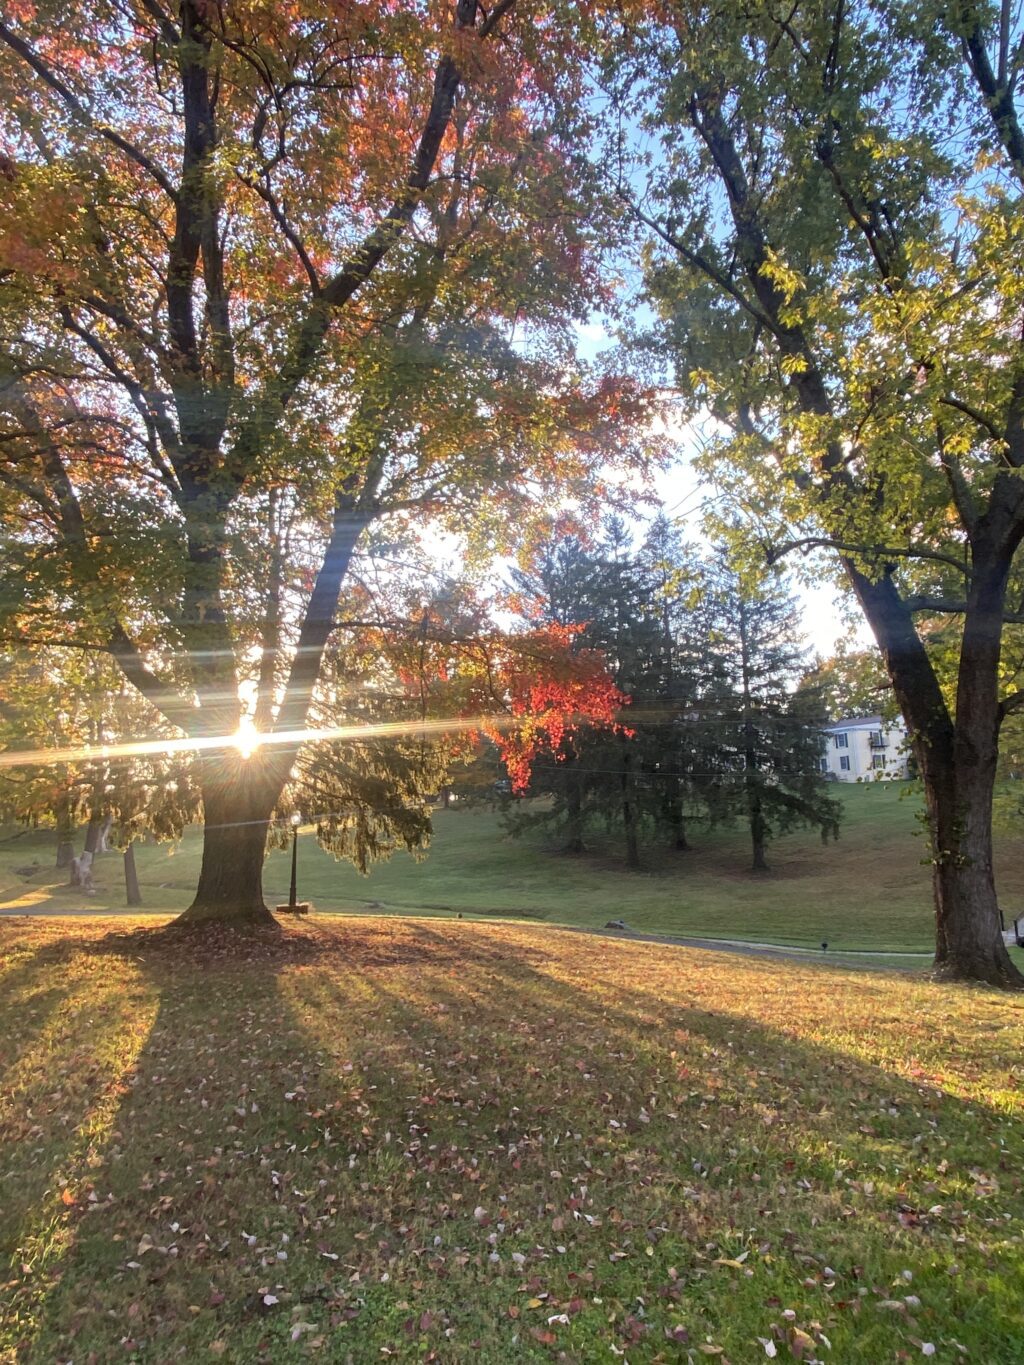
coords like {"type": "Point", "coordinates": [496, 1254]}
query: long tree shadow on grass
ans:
{"type": "Point", "coordinates": [70, 1034]}
{"type": "Point", "coordinates": [424, 1140]}
{"type": "Point", "coordinates": [753, 1132]}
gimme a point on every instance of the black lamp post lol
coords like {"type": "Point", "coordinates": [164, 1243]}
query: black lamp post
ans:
{"type": "Point", "coordinates": [292, 899]}
{"type": "Point", "coordinates": [294, 906]}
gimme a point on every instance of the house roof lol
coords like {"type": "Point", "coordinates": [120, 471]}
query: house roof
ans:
{"type": "Point", "coordinates": [863, 723]}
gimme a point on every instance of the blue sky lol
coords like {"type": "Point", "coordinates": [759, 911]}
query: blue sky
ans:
{"type": "Point", "coordinates": [829, 615]}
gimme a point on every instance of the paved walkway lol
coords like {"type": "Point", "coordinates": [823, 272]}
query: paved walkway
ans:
{"type": "Point", "coordinates": [858, 959]}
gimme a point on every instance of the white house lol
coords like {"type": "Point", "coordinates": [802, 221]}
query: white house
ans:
{"type": "Point", "coordinates": [865, 748]}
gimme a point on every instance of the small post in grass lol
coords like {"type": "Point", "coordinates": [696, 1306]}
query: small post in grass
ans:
{"type": "Point", "coordinates": [294, 906]}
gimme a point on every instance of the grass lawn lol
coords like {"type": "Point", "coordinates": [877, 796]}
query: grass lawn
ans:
{"type": "Point", "coordinates": [869, 891]}
{"type": "Point", "coordinates": [427, 1140]}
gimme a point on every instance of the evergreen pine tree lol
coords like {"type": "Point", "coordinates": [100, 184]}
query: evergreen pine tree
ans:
{"type": "Point", "coordinates": [768, 735]}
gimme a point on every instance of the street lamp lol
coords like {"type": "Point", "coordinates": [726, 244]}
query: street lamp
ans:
{"type": "Point", "coordinates": [295, 860]}
{"type": "Point", "coordinates": [294, 906]}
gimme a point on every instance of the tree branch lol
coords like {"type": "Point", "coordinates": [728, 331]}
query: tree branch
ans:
{"type": "Point", "coordinates": [948, 606]}
{"type": "Point", "coordinates": [1013, 701]}
{"type": "Point", "coordinates": [354, 272]}
{"type": "Point", "coordinates": [975, 415]}
{"type": "Point", "coordinates": [698, 261]}
{"type": "Point", "coordinates": [82, 115]}
{"type": "Point", "coordinates": [167, 701]}
{"type": "Point", "coordinates": [774, 553]}
{"type": "Point", "coordinates": [998, 97]}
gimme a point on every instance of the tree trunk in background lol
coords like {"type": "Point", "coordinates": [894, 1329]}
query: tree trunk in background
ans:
{"type": "Point", "coordinates": [755, 811]}
{"type": "Point", "coordinates": [629, 815]}
{"type": "Point", "coordinates": [103, 844]}
{"type": "Point", "coordinates": [677, 820]}
{"type": "Point", "coordinates": [65, 834]}
{"type": "Point", "coordinates": [758, 833]}
{"type": "Point", "coordinates": [132, 891]}
{"type": "Point", "coordinates": [81, 868]}
{"type": "Point", "coordinates": [93, 834]}
{"type": "Point", "coordinates": [574, 815]}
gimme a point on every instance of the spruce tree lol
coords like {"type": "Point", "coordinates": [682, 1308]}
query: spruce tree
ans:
{"type": "Point", "coordinates": [768, 735]}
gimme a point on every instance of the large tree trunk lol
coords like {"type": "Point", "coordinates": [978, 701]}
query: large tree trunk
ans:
{"type": "Point", "coordinates": [956, 757]}
{"type": "Point", "coordinates": [238, 801]}
{"type": "Point", "coordinates": [239, 795]}
{"type": "Point", "coordinates": [969, 940]}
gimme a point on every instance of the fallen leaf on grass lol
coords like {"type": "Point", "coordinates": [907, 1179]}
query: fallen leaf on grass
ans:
{"type": "Point", "coordinates": [800, 1343]}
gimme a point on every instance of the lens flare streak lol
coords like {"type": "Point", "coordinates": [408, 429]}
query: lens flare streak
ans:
{"type": "Point", "coordinates": [246, 740]}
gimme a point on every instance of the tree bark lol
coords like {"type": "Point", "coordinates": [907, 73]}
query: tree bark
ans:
{"type": "Point", "coordinates": [969, 941]}
{"type": "Point", "coordinates": [676, 819]}
{"type": "Point", "coordinates": [758, 833]}
{"type": "Point", "coordinates": [132, 891]}
{"type": "Point", "coordinates": [65, 834]}
{"type": "Point", "coordinates": [238, 800]}
{"type": "Point", "coordinates": [629, 816]}
{"type": "Point", "coordinates": [956, 757]}
{"type": "Point", "coordinates": [103, 842]}
{"type": "Point", "coordinates": [574, 814]}
{"type": "Point", "coordinates": [755, 808]}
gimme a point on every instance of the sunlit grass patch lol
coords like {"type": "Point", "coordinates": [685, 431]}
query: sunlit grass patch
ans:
{"type": "Point", "coordinates": [867, 894]}
{"type": "Point", "coordinates": [438, 1140]}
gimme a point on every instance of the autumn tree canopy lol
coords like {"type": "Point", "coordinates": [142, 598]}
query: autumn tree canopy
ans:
{"type": "Point", "coordinates": [834, 222]}
{"type": "Point", "coordinates": [270, 274]}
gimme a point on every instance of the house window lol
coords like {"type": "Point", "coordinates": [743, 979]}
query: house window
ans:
{"type": "Point", "coordinates": [844, 763]}
{"type": "Point", "coordinates": [877, 739]}
{"type": "Point", "coordinates": [842, 740]}
{"type": "Point", "coordinates": [878, 760]}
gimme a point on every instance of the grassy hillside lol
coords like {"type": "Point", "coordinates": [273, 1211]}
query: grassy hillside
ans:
{"type": "Point", "coordinates": [868, 891]}
{"type": "Point", "coordinates": [410, 1140]}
